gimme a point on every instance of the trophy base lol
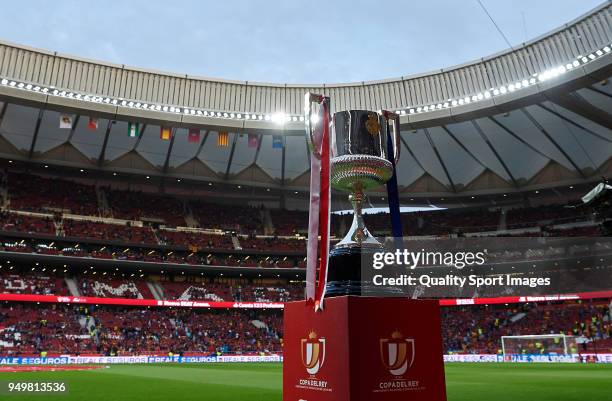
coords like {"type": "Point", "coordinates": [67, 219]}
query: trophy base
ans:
{"type": "Point", "coordinates": [344, 273]}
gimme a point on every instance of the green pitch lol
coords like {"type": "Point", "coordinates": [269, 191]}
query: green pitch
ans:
{"type": "Point", "coordinates": [262, 382]}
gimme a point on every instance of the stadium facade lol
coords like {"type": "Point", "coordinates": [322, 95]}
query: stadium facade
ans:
{"type": "Point", "coordinates": [532, 117]}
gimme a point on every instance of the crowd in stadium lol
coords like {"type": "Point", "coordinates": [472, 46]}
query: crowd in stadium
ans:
{"type": "Point", "coordinates": [40, 218]}
{"type": "Point", "coordinates": [125, 285]}
{"type": "Point", "coordinates": [28, 329]}
{"type": "Point", "coordinates": [478, 329]}
{"type": "Point", "coordinates": [34, 193]}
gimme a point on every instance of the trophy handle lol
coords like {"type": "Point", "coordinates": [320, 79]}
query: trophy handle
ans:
{"type": "Point", "coordinates": [309, 99]}
{"type": "Point", "coordinates": [395, 121]}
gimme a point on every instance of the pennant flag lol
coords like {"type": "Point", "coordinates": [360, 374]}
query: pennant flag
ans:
{"type": "Point", "coordinates": [133, 129]}
{"type": "Point", "coordinates": [253, 140]}
{"type": "Point", "coordinates": [277, 142]}
{"type": "Point", "coordinates": [165, 133]}
{"type": "Point", "coordinates": [65, 122]}
{"type": "Point", "coordinates": [222, 138]}
{"type": "Point", "coordinates": [92, 124]}
{"type": "Point", "coordinates": [194, 135]}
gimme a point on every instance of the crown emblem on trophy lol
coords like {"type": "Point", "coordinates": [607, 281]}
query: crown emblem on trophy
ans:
{"type": "Point", "coordinates": [372, 124]}
{"type": "Point", "coordinates": [396, 335]}
{"type": "Point", "coordinates": [312, 335]}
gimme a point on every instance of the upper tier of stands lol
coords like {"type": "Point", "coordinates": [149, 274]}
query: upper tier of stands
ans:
{"type": "Point", "coordinates": [35, 193]}
{"type": "Point", "coordinates": [47, 206]}
{"type": "Point", "coordinates": [132, 205]}
{"type": "Point", "coordinates": [30, 192]}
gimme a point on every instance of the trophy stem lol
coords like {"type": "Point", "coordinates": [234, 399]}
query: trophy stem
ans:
{"type": "Point", "coordinates": [358, 235]}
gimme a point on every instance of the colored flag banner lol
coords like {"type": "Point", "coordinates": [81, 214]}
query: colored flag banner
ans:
{"type": "Point", "coordinates": [194, 135]}
{"type": "Point", "coordinates": [92, 124]}
{"type": "Point", "coordinates": [165, 133]}
{"type": "Point", "coordinates": [65, 122]}
{"type": "Point", "coordinates": [253, 140]}
{"type": "Point", "coordinates": [222, 138]}
{"type": "Point", "coordinates": [277, 142]}
{"type": "Point", "coordinates": [133, 129]}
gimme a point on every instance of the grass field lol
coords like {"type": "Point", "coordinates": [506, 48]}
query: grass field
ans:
{"type": "Point", "coordinates": [262, 382]}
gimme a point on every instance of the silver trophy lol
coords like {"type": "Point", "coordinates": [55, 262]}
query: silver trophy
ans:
{"type": "Point", "coordinates": [359, 162]}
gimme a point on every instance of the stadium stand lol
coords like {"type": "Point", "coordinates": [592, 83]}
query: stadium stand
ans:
{"type": "Point", "coordinates": [35, 193]}
{"type": "Point", "coordinates": [110, 232]}
{"type": "Point", "coordinates": [125, 331]}
{"type": "Point", "coordinates": [132, 205]}
{"type": "Point", "coordinates": [478, 329]}
{"type": "Point", "coordinates": [62, 329]}
{"type": "Point", "coordinates": [14, 282]}
{"type": "Point", "coordinates": [26, 223]}
{"type": "Point", "coordinates": [242, 219]}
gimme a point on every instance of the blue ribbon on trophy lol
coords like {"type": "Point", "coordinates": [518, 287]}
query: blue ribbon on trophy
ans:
{"type": "Point", "coordinates": [393, 193]}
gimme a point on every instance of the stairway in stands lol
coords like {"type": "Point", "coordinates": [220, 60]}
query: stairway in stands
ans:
{"type": "Point", "coordinates": [190, 219]}
{"type": "Point", "coordinates": [266, 217]}
{"type": "Point", "coordinates": [103, 206]}
{"type": "Point", "coordinates": [502, 220]}
{"type": "Point", "coordinates": [236, 242]}
{"type": "Point", "coordinates": [73, 287]}
{"type": "Point", "coordinates": [4, 198]}
{"type": "Point", "coordinates": [156, 290]}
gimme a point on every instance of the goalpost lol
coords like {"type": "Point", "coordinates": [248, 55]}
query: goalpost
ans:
{"type": "Point", "coordinates": [539, 344]}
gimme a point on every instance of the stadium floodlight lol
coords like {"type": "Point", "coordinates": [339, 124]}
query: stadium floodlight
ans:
{"type": "Point", "coordinates": [539, 344]}
{"type": "Point", "coordinates": [277, 118]}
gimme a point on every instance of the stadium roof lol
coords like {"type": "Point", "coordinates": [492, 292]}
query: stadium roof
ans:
{"type": "Point", "coordinates": [531, 117]}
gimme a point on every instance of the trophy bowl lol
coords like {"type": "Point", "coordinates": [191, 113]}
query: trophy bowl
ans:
{"type": "Point", "coordinates": [359, 162]}
{"type": "Point", "coordinates": [359, 151]}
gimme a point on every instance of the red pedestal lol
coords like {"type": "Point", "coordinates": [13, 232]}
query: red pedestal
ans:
{"type": "Point", "coordinates": [363, 348]}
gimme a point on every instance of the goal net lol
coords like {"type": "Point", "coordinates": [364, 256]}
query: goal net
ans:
{"type": "Point", "coordinates": [539, 344]}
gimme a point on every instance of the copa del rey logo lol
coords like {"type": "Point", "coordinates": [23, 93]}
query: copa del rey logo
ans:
{"type": "Point", "coordinates": [397, 353]}
{"type": "Point", "coordinates": [313, 353]}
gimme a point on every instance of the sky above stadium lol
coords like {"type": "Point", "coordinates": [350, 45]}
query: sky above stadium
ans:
{"type": "Point", "coordinates": [314, 41]}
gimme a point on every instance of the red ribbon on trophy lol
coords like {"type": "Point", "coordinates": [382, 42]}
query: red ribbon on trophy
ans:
{"type": "Point", "coordinates": [317, 255]}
